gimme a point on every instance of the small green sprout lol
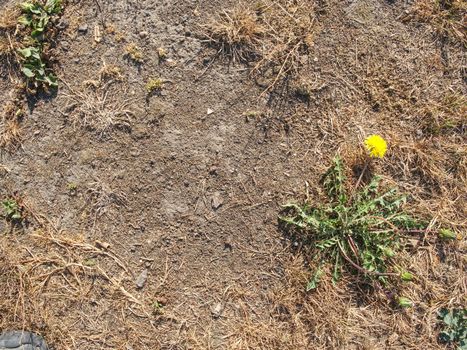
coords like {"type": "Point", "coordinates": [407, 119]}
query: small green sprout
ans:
{"type": "Point", "coordinates": [90, 262]}
{"type": "Point", "coordinates": [406, 276]}
{"type": "Point", "coordinates": [19, 113]}
{"type": "Point", "coordinates": [158, 307]}
{"type": "Point", "coordinates": [72, 188]}
{"type": "Point", "coordinates": [12, 210]}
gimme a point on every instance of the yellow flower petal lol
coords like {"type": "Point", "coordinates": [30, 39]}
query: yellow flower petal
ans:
{"type": "Point", "coordinates": [376, 145]}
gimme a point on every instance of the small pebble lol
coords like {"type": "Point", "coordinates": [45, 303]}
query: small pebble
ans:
{"type": "Point", "coordinates": [63, 24]}
{"type": "Point", "coordinates": [83, 28]}
{"type": "Point", "coordinates": [142, 278]}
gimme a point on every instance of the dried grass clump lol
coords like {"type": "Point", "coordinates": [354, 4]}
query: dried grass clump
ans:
{"type": "Point", "coordinates": [110, 72]}
{"type": "Point", "coordinates": [10, 132]}
{"type": "Point", "coordinates": [5, 47]}
{"type": "Point", "coordinates": [9, 18]}
{"type": "Point", "coordinates": [102, 198]}
{"type": "Point", "coordinates": [448, 17]}
{"type": "Point", "coordinates": [274, 35]}
{"type": "Point", "coordinates": [100, 105]}
{"type": "Point", "coordinates": [236, 33]}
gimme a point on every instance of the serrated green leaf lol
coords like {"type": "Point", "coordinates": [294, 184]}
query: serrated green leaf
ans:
{"type": "Point", "coordinates": [51, 80]}
{"type": "Point", "coordinates": [448, 319]}
{"type": "Point", "coordinates": [313, 283]}
{"type": "Point", "coordinates": [53, 6]}
{"type": "Point", "coordinates": [25, 20]}
{"type": "Point", "coordinates": [31, 7]}
{"type": "Point", "coordinates": [445, 337]}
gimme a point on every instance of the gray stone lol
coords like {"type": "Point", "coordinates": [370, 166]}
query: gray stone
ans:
{"type": "Point", "coordinates": [22, 340]}
{"type": "Point", "coordinates": [63, 24]}
{"type": "Point", "coordinates": [142, 278]}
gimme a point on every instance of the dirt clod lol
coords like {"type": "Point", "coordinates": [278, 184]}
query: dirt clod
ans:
{"type": "Point", "coordinates": [217, 310]}
{"type": "Point", "coordinates": [217, 201]}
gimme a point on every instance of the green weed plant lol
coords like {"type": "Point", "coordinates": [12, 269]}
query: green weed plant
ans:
{"type": "Point", "coordinates": [36, 17]}
{"type": "Point", "coordinates": [354, 231]}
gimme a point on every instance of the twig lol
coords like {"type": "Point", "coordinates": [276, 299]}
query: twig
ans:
{"type": "Point", "coordinates": [99, 8]}
{"type": "Point", "coordinates": [361, 175]}
{"type": "Point", "coordinates": [120, 287]}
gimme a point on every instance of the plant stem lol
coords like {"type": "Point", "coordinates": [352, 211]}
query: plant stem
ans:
{"type": "Point", "coordinates": [362, 173]}
{"type": "Point", "coordinates": [361, 269]}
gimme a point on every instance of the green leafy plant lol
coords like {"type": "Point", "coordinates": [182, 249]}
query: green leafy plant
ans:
{"type": "Point", "coordinates": [34, 68]}
{"type": "Point", "coordinates": [455, 327]}
{"type": "Point", "coordinates": [12, 210]}
{"type": "Point", "coordinates": [359, 231]}
{"type": "Point", "coordinates": [36, 17]}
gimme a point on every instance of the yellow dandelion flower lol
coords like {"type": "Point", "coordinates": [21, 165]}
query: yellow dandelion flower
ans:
{"type": "Point", "coordinates": [376, 145]}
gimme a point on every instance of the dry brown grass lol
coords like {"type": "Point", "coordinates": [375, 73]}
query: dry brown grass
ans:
{"type": "Point", "coordinates": [448, 17]}
{"type": "Point", "coordinates": [448, 115]}
{"type": "Point", "coordinates": [434, 172]}
{"type": "Point", "coordinates": [9, 18]}
{"type": "Point", "coordinates": [74, 291]}
{"type": "Point", "coordinates": [343, 316]}
{"type": "Point", "coordinates": [10, 128]}
{"type": "Point", "coordinates": [236, 33]}
{"type": "Point", "coordinates": [5, 47]}
{"type": "Point", "coordinates": [274, 36]}
{"type": "Point", "coordinates": [10, 132]}
{"type": "Point", "coordinates": [9, 39]}
{"type": "Point", "coordinates": [100, 105]}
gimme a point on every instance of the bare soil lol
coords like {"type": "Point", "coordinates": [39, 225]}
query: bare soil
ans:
{"type": "Point", "coordinates": [187, 182]}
